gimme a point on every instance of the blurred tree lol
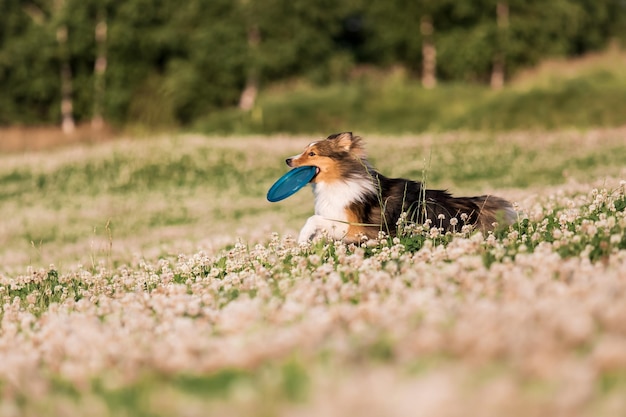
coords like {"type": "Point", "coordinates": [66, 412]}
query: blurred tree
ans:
{"type": "Point", "coordinates": [208, 71]}
{"type": "Point", "coordinates": [539, 29]}
{"type": "Point", "coordinates": [142, 40]}
{"type": "Point", "coordinates": [166, 63]}
{"type": "Point", "coordinates": [298, 37]}
{"type": "Point", "coordinates": [59, 19]}
{"type": "Point", "coordinates": [25, 49]}
{"type": "Point", "coordinates": [429, 51]}
{"type": "Point", "coordinates": [250, 91]}
{"type": "Point", "coordinates": [100, 66]}
{"type": "Point", "coordinates": [37, 72]}
{"type": "Point", "coordinates": [392, 32]}
{"type": "Point", "coordinates": [465, 40]}
{"type": "Point", "coordinates": [502, 26]}
{"type": "Point", "coordinates": [601, 21]}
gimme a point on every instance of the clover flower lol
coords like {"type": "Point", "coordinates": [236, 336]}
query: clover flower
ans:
{"type": "Point", "coordinates": [543, 299]}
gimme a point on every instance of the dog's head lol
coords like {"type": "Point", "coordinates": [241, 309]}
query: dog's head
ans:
{"type": "Point", "coordinates": [334, 156]}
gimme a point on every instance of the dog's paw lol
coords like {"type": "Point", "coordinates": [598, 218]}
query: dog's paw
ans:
{"type": "Point", "coordinates": [310, 229]}
{"type": "Point", "coordinates": [316, 225]}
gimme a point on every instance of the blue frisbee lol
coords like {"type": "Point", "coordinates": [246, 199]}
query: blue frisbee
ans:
{"type": "Point", "coordinates": [291, 182]}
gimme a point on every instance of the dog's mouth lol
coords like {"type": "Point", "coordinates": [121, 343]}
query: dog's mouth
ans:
{"type": "Point", "coordinates": [317, 171]}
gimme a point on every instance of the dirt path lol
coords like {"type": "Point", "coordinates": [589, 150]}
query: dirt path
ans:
{"type": "Point", "coordinates": [19, 139]}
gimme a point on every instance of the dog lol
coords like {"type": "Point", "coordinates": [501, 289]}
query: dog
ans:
{"type": "Point", "coordinates": [354, 202]}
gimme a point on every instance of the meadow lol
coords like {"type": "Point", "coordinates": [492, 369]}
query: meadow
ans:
{"type": "Point", "coordinates": [582, 93]}
{"type": "Point", "coordinates": [150, 277]}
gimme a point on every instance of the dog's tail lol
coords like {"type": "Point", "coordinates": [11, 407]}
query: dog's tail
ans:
{"type": "Point", "coordinates": [493, 212]}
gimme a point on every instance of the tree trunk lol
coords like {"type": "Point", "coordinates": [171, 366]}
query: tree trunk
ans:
{"type": "Point", "coordinates": [67, 107]}
{"type": "Point", "coordinates": [67, 116]}
{"type": "Point", "coordinates": [497, 73]}
{"type": "Point", "coordinates": [429, 53]}
{"type": "Point", "coordinates": [249, 93]}
{"type": "Point", "coordinates": [97, 120]}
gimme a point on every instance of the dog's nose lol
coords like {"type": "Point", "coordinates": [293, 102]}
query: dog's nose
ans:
{"type": "Point", "coordinates": [288, 161]}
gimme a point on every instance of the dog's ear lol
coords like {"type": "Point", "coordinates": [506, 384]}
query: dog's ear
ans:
{"type": "Point", "coordinates": [343, 140]}
{"type": "Point", "coordinates": [348, 143]}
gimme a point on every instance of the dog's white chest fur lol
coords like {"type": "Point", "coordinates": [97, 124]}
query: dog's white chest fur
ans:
{"type": "Point", "coordinates": [331, 202]}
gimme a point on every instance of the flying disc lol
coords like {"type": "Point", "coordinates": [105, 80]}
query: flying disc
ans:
{"type": "Point", "coordinates": [291, 182]}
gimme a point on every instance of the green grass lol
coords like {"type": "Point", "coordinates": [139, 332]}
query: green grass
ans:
{"type": "Point", "coordinates": [281, 381]}
{"type": "Point", "coordinates": [130, 194]}
{"type": "Point", "coordinates": [591, 95]}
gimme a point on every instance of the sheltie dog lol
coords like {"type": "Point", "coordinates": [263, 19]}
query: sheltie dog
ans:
{"type": "Point", "coordinates": [354, 202]}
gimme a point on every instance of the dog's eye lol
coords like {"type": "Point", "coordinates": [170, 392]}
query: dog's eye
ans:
{"type": "Point", "coordinates": [311, 153]}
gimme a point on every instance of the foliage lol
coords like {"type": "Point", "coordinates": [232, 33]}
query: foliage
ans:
{"type": "Point", "coordinates": [397, 104]}
{"type": "Point", "coordinates": [171, 64]}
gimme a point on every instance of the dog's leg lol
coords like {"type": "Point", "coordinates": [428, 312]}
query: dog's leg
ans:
{"type": "Point", "coordinates": [316, 224]}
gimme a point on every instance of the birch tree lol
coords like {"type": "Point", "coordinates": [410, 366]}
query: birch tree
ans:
{"type": "Point", "coordinates": [100, 66]}
{"type": "Point", "coordinates": [57, 19]}
{"type": "Point", "coordinates": [429, 53]}
{"type": "Point", "coordinates": [502, 24]}
{"type": "Point", "coordinates": [251, 89]}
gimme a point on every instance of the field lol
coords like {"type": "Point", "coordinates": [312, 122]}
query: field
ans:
{"type": "Point", "coordinates": [150, 277]}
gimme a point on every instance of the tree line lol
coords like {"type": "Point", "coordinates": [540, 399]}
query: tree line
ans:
{"type": "Point", "coordinates": [162, 62]}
